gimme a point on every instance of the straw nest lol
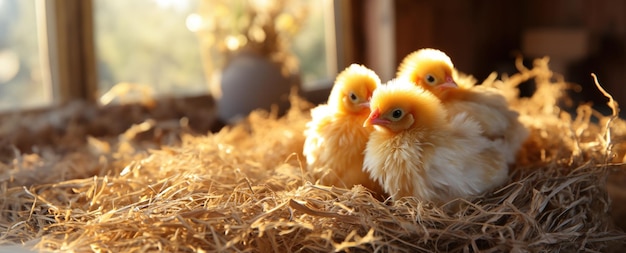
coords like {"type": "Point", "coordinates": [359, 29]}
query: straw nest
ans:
{"type": "Point", "coordinates": [244, 188]}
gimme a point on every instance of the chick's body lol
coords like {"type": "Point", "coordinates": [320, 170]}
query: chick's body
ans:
{"type": "Point", "coordinates": [417, 150]}
{"type": "Point", "coordinates": [433, 70]}
{"type": "Point", "coordinates": [490, 109]}
{"type": "Point", "coordinates": [335, 137]}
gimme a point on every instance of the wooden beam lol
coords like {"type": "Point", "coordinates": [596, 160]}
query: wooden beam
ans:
{"type": "Point", "coordinates": [344, 33]}
{"type": "Point", "coordinates": [71, 49]}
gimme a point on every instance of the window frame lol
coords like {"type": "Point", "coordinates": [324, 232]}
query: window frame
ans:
{"type": "Point", "coordinates": [65, 31]}
{"type": "Point", "coordinates": [67, 42]}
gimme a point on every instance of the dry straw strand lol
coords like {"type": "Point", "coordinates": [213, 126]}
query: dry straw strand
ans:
{"type": "Point", "coordinates": [244, 189]}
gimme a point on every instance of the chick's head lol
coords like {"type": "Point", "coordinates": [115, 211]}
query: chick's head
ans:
{"type": "Point", "coordinates": [400, 105]}
{"type": "Point", "coordinates": [353, 89]}
{"type": "Point", "coordinates": [430, 68]}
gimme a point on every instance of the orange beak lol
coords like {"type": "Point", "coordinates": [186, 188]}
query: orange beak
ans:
{"type": "Point", "coordinates": [365, 105]}
{"type": "Point", "coordinates": [449, 83]}
{"type": "Point", "coordinates": [374, 119]}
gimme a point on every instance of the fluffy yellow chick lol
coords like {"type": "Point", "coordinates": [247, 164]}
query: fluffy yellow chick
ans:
{"type": "Point", "coordinates": [335, 138]}
{"type": "Point", "coordinates": [417, 150]}
{"type": "Point", "coordinates": [433, 70]}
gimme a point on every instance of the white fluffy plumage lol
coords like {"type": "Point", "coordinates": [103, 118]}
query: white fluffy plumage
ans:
{"type": "Point", "coordinates": [417, 150]}
{"type": "Point", "coordinates": [335, 138]}
{"type": "Point", "coordinates": [433, 70]}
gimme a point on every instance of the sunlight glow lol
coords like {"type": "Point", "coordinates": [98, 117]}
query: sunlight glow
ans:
{"type": "Point", "coordinates": [235, 42]}
{"type": "Point", "coordinates": [10, 62]}
{"type": "Point", "coordinates": [178, 5]}
{"type": "Point", "coordinates": [194, 22]}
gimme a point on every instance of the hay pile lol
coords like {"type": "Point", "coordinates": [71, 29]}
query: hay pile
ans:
{"type": "Point", "coordinates": [244, 189]}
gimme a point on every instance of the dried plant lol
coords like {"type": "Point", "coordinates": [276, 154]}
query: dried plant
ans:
{"type": "Point", "coordinates": [244, 189]}
{"type": "Point", "coordinates": [228, 27]}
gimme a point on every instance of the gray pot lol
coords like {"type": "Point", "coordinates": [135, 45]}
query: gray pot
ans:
{"type": "Point", "coordinates": [250, 81]}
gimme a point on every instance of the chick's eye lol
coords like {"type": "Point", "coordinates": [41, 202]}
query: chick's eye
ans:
{"type": "Point", "coordinates": [430, 79]}
{"type": "Point", "coordinates": [353, 97]}
{"type": "Point", "coordinates": [397, 114]}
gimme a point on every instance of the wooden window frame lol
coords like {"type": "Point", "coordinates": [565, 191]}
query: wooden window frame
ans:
{"type": "Point", "coordinates": [67, 32]}
{"type": "Point", "coordinates": [66, 41]}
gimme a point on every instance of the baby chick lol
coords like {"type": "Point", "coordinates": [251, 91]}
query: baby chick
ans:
{"type": "Point", "coordinates": [433, 70]}
{"type": "Point", "coordinates": [335, 137]}
{"type": "Point", "coordinates": [417, 150]}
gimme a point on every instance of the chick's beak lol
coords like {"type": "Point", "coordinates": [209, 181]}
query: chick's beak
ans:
{"type": "Point", "coordinates": [365, 105]}
{"type": "Point", "coordinates": [374, 119]}
{"type": "Point", "coordinates": [449, 83]}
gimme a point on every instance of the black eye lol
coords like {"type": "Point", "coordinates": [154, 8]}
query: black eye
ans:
{"type": "Point", "coordinates": [397, 114]}
{"type": "Point", "coordinates": [353, 97]}
{"type": "Point", "coordinates": [430, 79]}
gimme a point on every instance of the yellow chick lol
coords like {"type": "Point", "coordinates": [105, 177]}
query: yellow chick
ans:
{"type": "Point", "coordinates": [335, 137]}
{"type": "Point", "coordinates": [417, 150]}
{"type": "Point", "coordinates": [433, 70]}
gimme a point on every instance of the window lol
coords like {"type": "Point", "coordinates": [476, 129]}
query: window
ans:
{"type": "Point", "coordinates": [310, 46]}
{"type": "Point", "coordinates": [57, 50]}
{"type": "Point", "coordinates": [145, 42]}
{"type": "Point", "coordinates": [148, 43]}
{"type": "Point", "coordinates": [23, 84]}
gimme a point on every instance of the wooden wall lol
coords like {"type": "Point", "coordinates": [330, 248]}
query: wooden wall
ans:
{"type": "Point", "coordinates": [483, 36]}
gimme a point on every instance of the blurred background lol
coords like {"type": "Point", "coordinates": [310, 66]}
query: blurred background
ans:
{"type": "Point", "coordinates": [55, 51]}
